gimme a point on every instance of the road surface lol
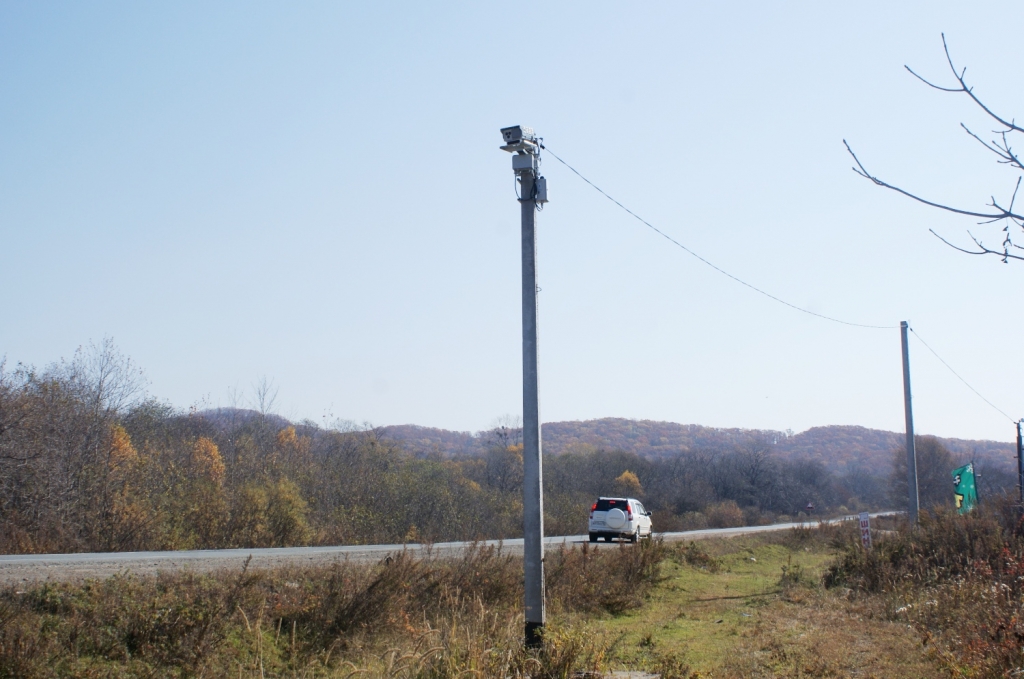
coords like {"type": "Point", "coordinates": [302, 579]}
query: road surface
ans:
{"type": "Point", "coordinates": [33, 567]}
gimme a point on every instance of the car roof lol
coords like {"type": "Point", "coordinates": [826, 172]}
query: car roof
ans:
{"type": "Point", "coordinates": [630, 499]}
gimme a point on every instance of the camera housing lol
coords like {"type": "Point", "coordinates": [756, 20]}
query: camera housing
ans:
{"type": "Point", "coordinates": [517, 133]}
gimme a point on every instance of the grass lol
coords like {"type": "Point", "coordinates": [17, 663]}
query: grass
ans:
{"type": "Point", "coordinates": [754, 607]}
{"type": "Point", "coordinates": [404, 617]}
{"type": "Point", "coordinates": [699, 610]}
{"type": "Point", "coordinates": [800, 603]}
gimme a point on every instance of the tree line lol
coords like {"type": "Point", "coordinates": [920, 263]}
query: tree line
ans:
{"type": "Point", "coordinates": [89, 462]}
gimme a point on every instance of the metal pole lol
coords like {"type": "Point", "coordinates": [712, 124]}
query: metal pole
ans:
{"type": "Point", "coordinates": [1020, 465]}
{"type": "Point", "coordinates": [912, 506]}
{"type": "Point", "coordinates": [526, 146]}
{"type": "Point", "coordinates": [977, 484]}
{"type": "Point", "coordinates": [533, 492]}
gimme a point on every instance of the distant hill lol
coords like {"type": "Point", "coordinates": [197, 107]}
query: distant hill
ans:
{"type": "Point", "coordinates": [226, 419]}
{"type": "Point", "coordinates": [841, 449]}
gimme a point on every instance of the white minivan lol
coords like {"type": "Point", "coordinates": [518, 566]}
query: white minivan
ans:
{"type": "Point", "coordinates": [619, 517]}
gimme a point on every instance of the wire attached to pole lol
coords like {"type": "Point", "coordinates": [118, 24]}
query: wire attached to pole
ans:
{"type": "Point", "coordinates": [778, 299]}
{"type": "Point", "coordinates": [950, 368]}
{"type": "Point", "coordinates": [716, 268]}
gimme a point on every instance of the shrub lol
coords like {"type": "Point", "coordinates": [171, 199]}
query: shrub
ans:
{"type": "Point", "coordinates": [958, 579]}
{"type": "Point", "coordinates": [401, 617]}
{"type": "Point", "coordinates": [693, 554]}
{"type": "Point", "coordinates": [724, 515]}
{"type": "Point", "coordinates": [614, 579]}
{"type": "Point", "coordinates": [944, 545]}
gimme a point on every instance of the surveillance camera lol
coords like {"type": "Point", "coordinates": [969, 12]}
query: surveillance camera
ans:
{"type": "Point", "coordinates": [516, 134]}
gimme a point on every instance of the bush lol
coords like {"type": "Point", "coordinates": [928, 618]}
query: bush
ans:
{"type": "Point", "coordinates": [695, 555]}
{"type": "Point", "coordinates": [958, 579]}
{"type": "Point", "coordinates": [614, 579]}
{"type": "Point", "coordinates": [724, 515]}
{"type": "Point", "coordinates": [944, 545]}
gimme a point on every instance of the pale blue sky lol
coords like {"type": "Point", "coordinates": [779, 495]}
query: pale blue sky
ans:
{"type": "Point", "coordinates": [314, 193]}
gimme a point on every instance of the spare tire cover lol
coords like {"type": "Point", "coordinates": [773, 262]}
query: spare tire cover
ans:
{"type": "Point", "coordinates": [616, 518]}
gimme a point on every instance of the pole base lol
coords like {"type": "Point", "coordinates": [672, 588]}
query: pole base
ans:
{"type": "Point", "coordinates": [534, 634]}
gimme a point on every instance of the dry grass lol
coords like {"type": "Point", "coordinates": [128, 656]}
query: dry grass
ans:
{"type": "Point", "coordinates": [957, 580]}
{"type": "Point", "coordinates": [817, 634]}
{"type": "Point", "coordinates": [403, 617]}
{"type": "Point", "coordinates": [751, 606]}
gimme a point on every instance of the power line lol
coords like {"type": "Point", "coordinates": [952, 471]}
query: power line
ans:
{"type": "Point", "coordinates": [716, 268]}
{"type": "Point", "coordinates": [978, 393]}
{"type": "Point", "coordinates": [767, 294]}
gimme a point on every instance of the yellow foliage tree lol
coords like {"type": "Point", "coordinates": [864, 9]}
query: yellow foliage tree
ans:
{"type": "Point", "coordinates": [248, 525]}
{"type": "Point", "coordinates": [196, 505]}
{"type": "Point", "coordinates": [126, 513]}
{"type": "Point", "coordinates": [628, 484]}
{"type": "Point", "coordinates": [206, 461]}
{"type": "Point", "coordinates": [286, 515]}
{"type": "Point", "coordinates": [123, 455]}
{"type": "Point", "coordinates": [292, 452]}
{"type": "Point", "coordinates": [269, 515]}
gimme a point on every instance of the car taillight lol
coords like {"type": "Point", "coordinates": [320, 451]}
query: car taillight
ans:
{"type": "Point", "coordinates": [629, 513]}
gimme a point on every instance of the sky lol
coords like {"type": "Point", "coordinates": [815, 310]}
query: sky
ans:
{"type": "Point", "coordinates": [313, 194]}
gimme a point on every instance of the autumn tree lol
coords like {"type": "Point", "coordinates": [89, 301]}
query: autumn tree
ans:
{"type": "Point", "coordinates": [88, 463]}
{"type": "Point", "coordinates": [627, 484]}
{"type": "Point", "coordinates": [934, 464]}
{"type": "Point", "coordinates": [55, 442]}
{"type": "Point", "coordinates": [126, 512]}
{"type": "Point", "coordinates": [193, 502]}
{"type": "Point", "coordinates": [504, 466]}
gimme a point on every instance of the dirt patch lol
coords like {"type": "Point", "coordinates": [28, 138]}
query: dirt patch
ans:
{"type": "Point", "coordinates": [824, 636]}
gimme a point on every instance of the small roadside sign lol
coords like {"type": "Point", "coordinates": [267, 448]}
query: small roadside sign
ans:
{"type": "Point", "coordinates": [865, 530]}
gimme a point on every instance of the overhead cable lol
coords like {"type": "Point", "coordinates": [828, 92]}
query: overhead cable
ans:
{"type": "Point", "coordinates": [713, 266]}
{"type": "Point", "coordinates": [950, 368]}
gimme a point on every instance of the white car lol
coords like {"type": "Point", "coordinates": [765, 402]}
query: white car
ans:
{"type": "Point", "coordinates": [619, 517]}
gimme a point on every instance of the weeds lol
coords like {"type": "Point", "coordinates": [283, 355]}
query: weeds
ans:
{"type": "Point", "coordinates": [958, 579]}
{"type": "Point", "coordinates": [403, 617]}
{"type": "Point", "coordinates": [692, 554]}
{"type": "Point", "coordinates": [613, 580]}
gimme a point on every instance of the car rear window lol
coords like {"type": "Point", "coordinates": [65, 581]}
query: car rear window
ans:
{"type": "Point", "coordinates": [604, 505]}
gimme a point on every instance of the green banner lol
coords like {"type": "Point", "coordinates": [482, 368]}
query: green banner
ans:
{"type": "Point", "coordinates": [964, 489]}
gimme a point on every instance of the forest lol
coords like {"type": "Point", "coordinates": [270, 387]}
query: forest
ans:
{"type": "Point", "coordinates": [90, 462]}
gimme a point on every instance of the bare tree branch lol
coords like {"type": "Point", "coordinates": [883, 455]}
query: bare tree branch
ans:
{"type": "Point", "coordinates": [1009, 124]}
{"type": "Point", "coordinates": [1000, 147]}
{"type": "Point", "coordinates": [982, 250]}
{"type": "Point", "coordinates": [1004, 152]}
{"type": "Point", "coordinates": [1001, 214]}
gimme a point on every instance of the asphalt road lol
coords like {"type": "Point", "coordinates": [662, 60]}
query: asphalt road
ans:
{"type": "Point", "coordinates": [33, 567]}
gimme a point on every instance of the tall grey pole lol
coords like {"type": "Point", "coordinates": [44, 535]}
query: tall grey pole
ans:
{"type": "Point", "coordinates": [533, 191]}
{"type": "Point", "coordinates": [533, 492]}
{"type": "Point", "coordinates": [1020, 465]}
{"type": "Point", "coordinates": [912, 506]}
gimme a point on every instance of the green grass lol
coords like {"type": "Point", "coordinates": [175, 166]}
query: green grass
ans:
{"type": "Point", "coordinates": [702, 614]}
{"type": "Point", "coordinates": [757, 609]}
